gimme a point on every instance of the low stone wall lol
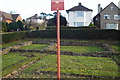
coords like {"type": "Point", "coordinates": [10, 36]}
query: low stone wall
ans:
{"type": "Point", "coordinates": [7, 50]}
{"type": "Point", "coordinates": [52, 46]}
{"type": "Point", "coordinates": [93, 54]}
{"type": "Point", "coordinates": [105, 46]}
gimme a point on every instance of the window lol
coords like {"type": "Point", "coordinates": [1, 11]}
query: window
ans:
{"type": "Point", "coordinates": [80, 14]}
{"type": "Point", "coordinates": [111, 8]}
{"type": "Point", "coordinates": [111, 26]}
{"type": "Point", "coordinates": [117, 17]}
{"type": "Point", "coordinates": [78, 24]}
{"type": "Point", "coordinates": [107, 17]}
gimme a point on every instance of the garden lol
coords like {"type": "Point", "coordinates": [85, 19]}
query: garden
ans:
{"type": "Point", "coordinates": [36, 58]}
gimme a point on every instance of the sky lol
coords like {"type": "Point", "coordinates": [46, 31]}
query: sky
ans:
{"type": "Point", "coordinates": [27, 8]}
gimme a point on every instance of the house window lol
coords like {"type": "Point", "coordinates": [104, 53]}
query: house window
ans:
{"type": "Point", "coordinates": [111, 26]}
{"type": "Point", "coordinates": [117, 17]}
{"type": "Point", "coordinates": [107, 17]}
{"type": "Point", "coordinates": [80, 14]}
{"type": "Point", "coordinates": [78, 24]}
{"type": "Point", "coordinates": [111, 8]}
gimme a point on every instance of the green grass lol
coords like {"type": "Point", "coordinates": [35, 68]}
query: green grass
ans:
{"type": "Point", "coordinates": [81, 49]}
{"type": "Point", "coordinates": [97, 66]}
{"type": "Point", "coordinates": [13, 61]}
{"type": "Point", "coordinates": [11, 58]}
{"type": "Point", "coordinates": [5, 45]}
{"type": "Point", "coordinates": [34, 46]}
{"type": "Point", "coordinates": [117, 48]}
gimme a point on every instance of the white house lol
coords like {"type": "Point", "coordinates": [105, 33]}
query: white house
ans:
{"type": "Point", "coordinates": [79, 16]}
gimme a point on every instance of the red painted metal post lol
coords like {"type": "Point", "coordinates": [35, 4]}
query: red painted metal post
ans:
{"type": "Point", "coordinates": [58, 45]}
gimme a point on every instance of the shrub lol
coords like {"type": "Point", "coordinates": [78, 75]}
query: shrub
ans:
{"type": "Point", "coordinates": [91, 24]}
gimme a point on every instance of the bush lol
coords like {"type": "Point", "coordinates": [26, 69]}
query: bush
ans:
{"type": "Point", "coordinates": [91, 24]}
{"type": "Point", "coordinates": [8, 37]}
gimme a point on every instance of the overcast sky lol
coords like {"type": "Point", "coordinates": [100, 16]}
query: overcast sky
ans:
{"type": "Point", "coordinates": [27, 8]}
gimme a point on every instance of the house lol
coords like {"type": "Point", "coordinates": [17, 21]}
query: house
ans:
{"type": "Point", "coordinates": [5, 17]}
{"type": "Point", "coordinates": [34, 20]}
{"type": "Point", "coordinates": [16, 17]}
{"type": "Point", "coordinates": [79, 16]}
{"type": "Point", "coordinates": [108, 18]}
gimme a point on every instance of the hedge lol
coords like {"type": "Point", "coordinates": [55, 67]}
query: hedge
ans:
{"type": "Point", "coordinates": [77, 34]}
{"type": "Point", "coordinates": [65, 34]}
{"type": "Point", "coordinates": [69, 28]}
{"type": "Point", "coordinates": [8, 37]}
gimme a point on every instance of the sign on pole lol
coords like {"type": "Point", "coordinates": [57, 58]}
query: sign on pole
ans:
{"type": "Point", "coordinates": [57, 5]}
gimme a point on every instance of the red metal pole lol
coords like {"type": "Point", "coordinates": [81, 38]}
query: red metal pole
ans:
{"type": "Point", "coordinates": [58, 45]}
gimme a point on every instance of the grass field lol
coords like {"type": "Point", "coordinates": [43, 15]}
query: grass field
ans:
{"type": "Point", "coordinates": [82, 65]}
{"type": "Point", "coordinates": [13, 61]}
{"type": "Point", "coordinates": [117, 48]}
{"type": "Point", "coordinates": [81, 49]}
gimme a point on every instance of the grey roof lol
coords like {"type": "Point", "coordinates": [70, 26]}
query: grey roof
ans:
{"type": "Point", "coordinates": [33, 17]}
{"type": "Point", "coordinates": [14, 16]}
{"type": "Point", "coordinates": [80, 7]}
{"type": "Point", "coordinates": [105, 8]}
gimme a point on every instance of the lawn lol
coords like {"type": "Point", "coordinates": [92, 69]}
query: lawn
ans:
{"type": "Point", "coordinates": [35, 46]}
{"type": "Point", "coordinates": [81, 49]}
{"type": "Point", "coordinates": [117, 48]}
{"type": "Point", "coordinates": [97, 66]}
{"type": "Point", "coordinates": [13, 61]}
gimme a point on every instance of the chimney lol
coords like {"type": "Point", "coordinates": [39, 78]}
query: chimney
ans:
{"type": "Point", "coordinates": [36, 15]}
{"type": "Point", "coordinates": [99, 8]}
{"type": "Point", "coordinates": [119, 4]}
{"type": "Point", "coordinates": [79, 3]}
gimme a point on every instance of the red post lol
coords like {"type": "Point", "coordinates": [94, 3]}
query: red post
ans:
{"type": "Point", "coordinates": [58, 45]}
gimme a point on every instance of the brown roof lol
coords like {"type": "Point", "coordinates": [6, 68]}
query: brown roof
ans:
{"type": "Point", "coordinates": [6, 15]}
{"type": "Point", "coordinates": [80, 7]}
{"type": "Point", "coordinates": [14, 16]}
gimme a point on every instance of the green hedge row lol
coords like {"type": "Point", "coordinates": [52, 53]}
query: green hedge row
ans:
{"type": "Point", "coordinates": [8, 37]}
{"type": "Point", "coordinates": [65, 34]}
{"type": "Point", "coordinates": [77, 34]}
{"type": "Point", "coordinates": [70, 28]}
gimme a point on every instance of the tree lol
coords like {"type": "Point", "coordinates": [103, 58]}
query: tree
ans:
{"type": "Point", "coordinates": [8, 27]}
{"type": "Point", "coordinates": [13, 26]}
{"type": "Point", "coordinates": [43, 15]}
{"type": "Point", "coordinates": [53, 21]}
{"type": "Point", "coordinates": [4, 27]}
{"type": "Point", "coordinates": [20, 25]}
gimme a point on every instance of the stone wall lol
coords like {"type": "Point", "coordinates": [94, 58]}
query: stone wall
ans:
{"type": "Point", "coordinates": [7, 50]}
